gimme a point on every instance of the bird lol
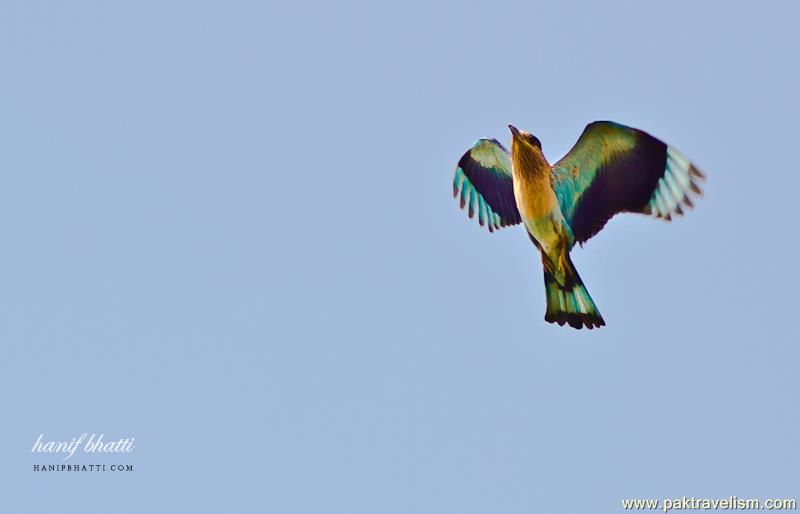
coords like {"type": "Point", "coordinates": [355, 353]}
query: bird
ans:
{"type": "Point", "coordinates": [611, 169]}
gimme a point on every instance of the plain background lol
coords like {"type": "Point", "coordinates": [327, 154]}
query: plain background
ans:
{"type": "Point", "coordinates": [228, 231]}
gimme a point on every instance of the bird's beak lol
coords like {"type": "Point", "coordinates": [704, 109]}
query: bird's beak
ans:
{"type": "Point", "coordinates": [513, 129]}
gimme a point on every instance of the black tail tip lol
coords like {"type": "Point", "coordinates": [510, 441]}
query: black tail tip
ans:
{"type": "Point", "coordinates": [575, 320]}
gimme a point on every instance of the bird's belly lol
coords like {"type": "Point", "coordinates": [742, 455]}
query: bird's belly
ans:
{"type": "Point", "coordinates": [546, 232]}
{"type": "Point", "coordinates": [540, 212]}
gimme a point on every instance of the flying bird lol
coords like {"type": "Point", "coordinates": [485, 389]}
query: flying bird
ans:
{"type": "Point", "coordinates": [611, 169]}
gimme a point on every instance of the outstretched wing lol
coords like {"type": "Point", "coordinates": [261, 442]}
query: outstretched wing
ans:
{"type": "Point", "coordinates": [483, 181]}
{"type": "Point", "coordinates": [613, 168]}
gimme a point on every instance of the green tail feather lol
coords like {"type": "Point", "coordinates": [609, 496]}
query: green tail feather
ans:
{"type": "Point", "coordinates": [571, 302]}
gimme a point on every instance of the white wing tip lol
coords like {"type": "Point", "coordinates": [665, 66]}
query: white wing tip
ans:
{"type": "Point", "coordinates": [677, 188]}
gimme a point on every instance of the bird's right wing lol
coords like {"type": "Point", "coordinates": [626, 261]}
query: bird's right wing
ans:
{"type": "Point", "coordinates": [483, 180]}
{"type": "Point", "coordinates": [613, 168]}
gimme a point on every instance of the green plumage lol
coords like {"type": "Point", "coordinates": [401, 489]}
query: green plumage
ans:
{"type": "Point", "coordinates": [570, 303]}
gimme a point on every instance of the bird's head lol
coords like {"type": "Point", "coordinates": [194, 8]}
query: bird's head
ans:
{"type": "Point", "coordinates": [524, 139]}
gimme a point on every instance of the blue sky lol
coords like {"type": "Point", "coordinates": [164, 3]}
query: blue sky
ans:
{"type": "Point", "coordinates": [228, 232]}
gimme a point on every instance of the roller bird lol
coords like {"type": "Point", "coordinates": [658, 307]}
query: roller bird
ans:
{"type": "Point", "coordinates": [611, 169]}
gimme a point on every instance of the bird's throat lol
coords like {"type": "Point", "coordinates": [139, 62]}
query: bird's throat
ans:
{"type": "Point", "coordinates": [528, 162]}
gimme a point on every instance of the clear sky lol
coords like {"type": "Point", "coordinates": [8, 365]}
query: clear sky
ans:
{"type": "Point", "coordinates": [228, 231]}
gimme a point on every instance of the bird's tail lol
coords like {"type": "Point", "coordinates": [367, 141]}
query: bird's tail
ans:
{"type": "Point", "coordinates": [570, 303]}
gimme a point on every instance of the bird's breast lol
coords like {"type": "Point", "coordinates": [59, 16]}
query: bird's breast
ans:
{"type": "Point", "coordinates": [534, 195]}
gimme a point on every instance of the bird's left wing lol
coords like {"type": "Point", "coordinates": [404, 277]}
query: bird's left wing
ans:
{"type": "Point", "coordinates": [613, 168]}
{"type": "Point", "coordinates": [483, 180]}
